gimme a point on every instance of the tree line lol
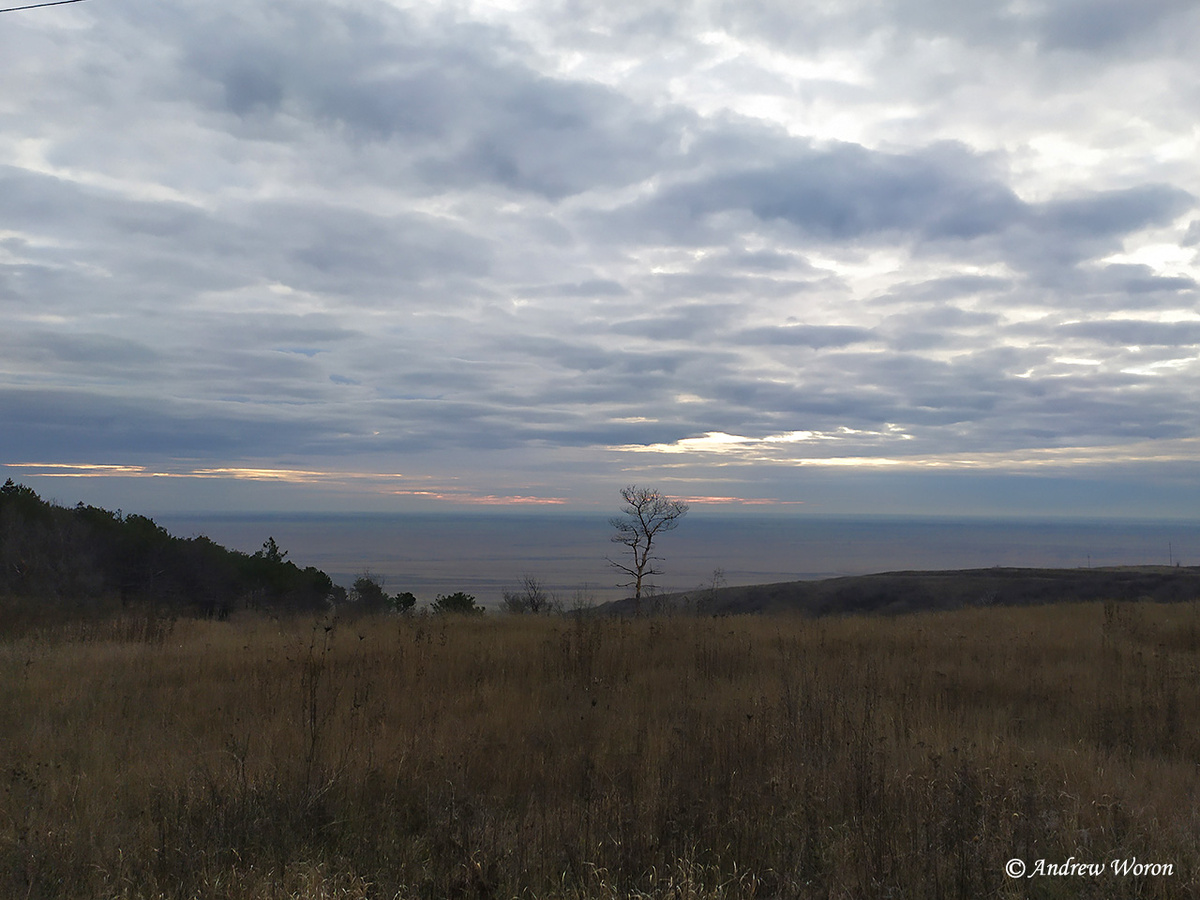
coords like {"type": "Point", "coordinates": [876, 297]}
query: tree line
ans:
{"type": "Point", "coordinates": [88, 556]}
{"type": "Point", "coordinates": [85, 556]}
{"type": "Point", "coordinates": [368, 596]}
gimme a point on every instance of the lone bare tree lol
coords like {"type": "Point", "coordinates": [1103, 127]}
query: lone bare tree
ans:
{"type": "Point", "coordinates": [647, 513]}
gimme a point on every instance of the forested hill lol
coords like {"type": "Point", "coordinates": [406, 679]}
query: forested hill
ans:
{"type": "Point", "coordinates": [84, 557]}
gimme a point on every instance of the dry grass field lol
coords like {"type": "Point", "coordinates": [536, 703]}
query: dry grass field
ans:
{"type": "Point", "coordinates": [581, 758]}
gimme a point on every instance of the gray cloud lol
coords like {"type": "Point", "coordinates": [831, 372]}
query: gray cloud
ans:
{"type": "Point", "coordinates": [815, 336]}
{"type": "Point", "coordinates": [842, 193]}
{"type": "Point", "coordinates": [82, 354]}
{"type": "Point", "coordinates": [934, 197]}
{"type": "Point", "coordinates": [322, 234]}
{"type": "Point", "coordinates": [1132, 331]}
{"type": "Point", "coordinates": [1076, 25]}
{"type": "Point", "coordinates": [596, 287]}
{"type": "Point", "coordinates": [456, 107]}
{"type": "Point", "coordinates": [74, 425]}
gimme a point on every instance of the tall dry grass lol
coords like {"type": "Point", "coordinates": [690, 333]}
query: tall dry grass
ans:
{"type": "Point", "coordinates": [548, 758]}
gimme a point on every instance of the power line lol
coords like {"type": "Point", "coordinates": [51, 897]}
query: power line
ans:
{"type": "Point", "coordinates": [38, 5]}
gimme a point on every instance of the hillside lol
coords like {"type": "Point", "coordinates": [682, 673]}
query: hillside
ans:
{"type": "Point", "coordinates": [900, 592]}
{"type": "Point", "coordinates": [57, 562]}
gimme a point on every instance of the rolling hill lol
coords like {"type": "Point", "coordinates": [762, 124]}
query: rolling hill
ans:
{"type": "Point", "coordinates": [901, 592]}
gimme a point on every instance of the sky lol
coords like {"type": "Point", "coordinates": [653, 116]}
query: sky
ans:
{"type": "Point", "coordinates": [893, 256]}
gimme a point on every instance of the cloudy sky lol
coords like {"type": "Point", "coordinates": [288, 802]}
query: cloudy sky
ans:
{"type": "Point", "coordinates": [905, 256]}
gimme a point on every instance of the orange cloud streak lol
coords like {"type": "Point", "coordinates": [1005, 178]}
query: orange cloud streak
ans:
{"type": "Point", "coordinates": [485, 499]}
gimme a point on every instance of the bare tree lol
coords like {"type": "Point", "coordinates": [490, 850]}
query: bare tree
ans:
{"type": "Point", "coordinates": [532, 598]}
{"type": "Point", "coordinates": [647, 513]}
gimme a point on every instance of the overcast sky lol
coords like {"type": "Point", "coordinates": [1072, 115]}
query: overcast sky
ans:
{"type": "Point", "coordinates": [904, 256]}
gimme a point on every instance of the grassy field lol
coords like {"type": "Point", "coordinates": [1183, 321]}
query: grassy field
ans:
{"type": "Point", "coordinates": [910, 756]}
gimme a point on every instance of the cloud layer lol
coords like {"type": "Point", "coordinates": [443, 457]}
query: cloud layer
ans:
{"type": "Point", "coordinates": [539, 249]}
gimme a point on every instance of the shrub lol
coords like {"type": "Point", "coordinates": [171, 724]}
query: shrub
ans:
{"type": "Point", "coordinates": [458, 602]}
{"type": "Point", "coordinates": [532, 598]}
{"type": "Point", "coordinates": [404, 601]}
{"type": "Point", "coordinates": [368, 593]}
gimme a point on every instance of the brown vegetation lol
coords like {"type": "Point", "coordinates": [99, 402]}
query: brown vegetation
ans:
{"type": "Point", "coordinates": [906, 592]}
{"type": "Point", "coordinates": [547, 757]}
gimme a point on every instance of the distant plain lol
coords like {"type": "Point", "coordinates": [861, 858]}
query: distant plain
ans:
{"type": "Point", "coordinates": [485, 553]}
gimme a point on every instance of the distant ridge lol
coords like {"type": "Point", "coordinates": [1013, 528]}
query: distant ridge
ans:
{"type": "Point", "coordinates": [901, 592]}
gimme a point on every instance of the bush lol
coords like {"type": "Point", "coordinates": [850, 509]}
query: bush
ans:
{"type": "Point", "coordinates": [458, 602]}
{"type": "Point", "coordinates": [532, 598]}
{"type": "Point", "coordinates": [368, 593]}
